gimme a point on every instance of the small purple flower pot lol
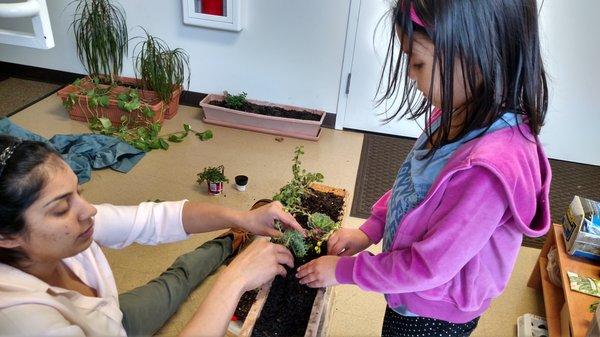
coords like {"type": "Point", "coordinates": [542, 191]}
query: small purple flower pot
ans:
{"type": "Point", "coordinates": [215, 188]}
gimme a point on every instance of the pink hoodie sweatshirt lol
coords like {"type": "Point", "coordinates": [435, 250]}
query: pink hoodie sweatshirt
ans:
{"type": "Point", "coordinates": [455, 251]}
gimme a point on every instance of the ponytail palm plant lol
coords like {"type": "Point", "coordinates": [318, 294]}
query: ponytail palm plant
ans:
{"type": "Point", "coordinates": [160, 69]}
{"type": "Point", "coordinates": [101, 37]}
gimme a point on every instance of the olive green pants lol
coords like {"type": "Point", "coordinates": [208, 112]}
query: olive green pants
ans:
{"type": "Point", "coordinates": [147, 308]}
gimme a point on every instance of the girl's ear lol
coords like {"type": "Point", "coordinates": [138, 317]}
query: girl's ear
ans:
{"type": "Point", "coordinates": [10, 242]}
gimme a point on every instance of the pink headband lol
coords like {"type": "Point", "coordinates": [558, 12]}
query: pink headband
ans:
{"type": "Point", "coordinates": [414, 17]}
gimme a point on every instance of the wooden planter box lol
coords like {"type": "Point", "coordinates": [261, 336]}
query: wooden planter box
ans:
{"type": "Point", "coordinates": [289, 127]}
{"type": "Point", "coordinates": [320, 314]}
{"type": "Point", "coordinates": [81, 112]}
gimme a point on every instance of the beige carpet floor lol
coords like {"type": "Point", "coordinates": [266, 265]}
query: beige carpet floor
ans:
{"type": "Point", "coordinates": [16, 93]}
{"type": "Point", "coordinates": [170, 175]}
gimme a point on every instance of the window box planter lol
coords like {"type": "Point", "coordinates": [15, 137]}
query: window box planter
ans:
{"type": "Point", "coordinates": [319, 313]}
{"type": "Point", "coordinates": [281, 126]}
{"type": "Point", "coordinates": [81, 112]}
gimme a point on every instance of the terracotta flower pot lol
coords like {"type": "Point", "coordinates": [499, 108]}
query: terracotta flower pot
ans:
{"type": "Point", "coordinates": [214, 188]}
{"type": "Point", "coordinates": [81, 112]}
{"type": "Point", "coordinates": [290, 127]}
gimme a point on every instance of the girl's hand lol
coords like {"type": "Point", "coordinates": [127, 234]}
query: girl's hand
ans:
{"type": "Point", "coordinates": [347, 242]}
{"type": "Point", "coordinates": [261, 220]}
{"type": "Point", "coordinates": [319, 273]}
{"type": "Point", "coordinates": [259, 263]}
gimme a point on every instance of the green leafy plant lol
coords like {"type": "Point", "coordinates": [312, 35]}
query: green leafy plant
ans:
{"type": "Point", "coordinates": [160, 68]}
{"type": "Point", "coordinates": [321, 229]}
{"type": "Point", "coordinates": [237, 102]}
{"type": "Point", "coordinates": [101, 37]}
{"type": "Point", "coordinates": [137, 127]}
{"type": "Point", "coordinates": [213, 175]}
{"type": "Point", "coordinates": [320, 226]}
{"type": "Point", "coordinates": [295, 242]}
{"type": "Point", "coordinates": [291, 194]}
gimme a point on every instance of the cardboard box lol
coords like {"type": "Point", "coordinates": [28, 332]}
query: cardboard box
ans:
{"type": "Point", "coordinates": [581, 226]}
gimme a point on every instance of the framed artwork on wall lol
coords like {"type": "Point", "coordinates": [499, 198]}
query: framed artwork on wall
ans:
{"type": "Point", "coordinates": [216, 14]}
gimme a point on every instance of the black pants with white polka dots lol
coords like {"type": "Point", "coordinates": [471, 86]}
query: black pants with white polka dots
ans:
{"type": "Point", "coordinates": [396, 325]}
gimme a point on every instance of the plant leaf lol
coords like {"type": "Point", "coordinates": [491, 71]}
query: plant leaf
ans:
{"type": "Point", "coordinates": [106, 124]}
{"type": "Point", "coordinates": [187, 127]}
{"type": "Point", "coordinates": [163, 144]}
{"type": "Point", "coordinates": [175, 138]}
{"type": "Point", "coordinates": [206, 135]}
{"type": "Point", "coordinates": [103, 101]}
{"type": "Point", "coordinates": [148, 112]}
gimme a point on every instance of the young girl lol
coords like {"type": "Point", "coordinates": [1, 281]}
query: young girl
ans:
{"type": "Point", "coordinates": [475, 181]}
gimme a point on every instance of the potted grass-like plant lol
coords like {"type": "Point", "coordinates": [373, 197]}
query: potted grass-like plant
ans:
{"type": "Point", "coordinates": [101, 38]}
{"type": "Point", "coordinates": [162, 70]}
{"type": "Point", "coordinates": [128, 108]}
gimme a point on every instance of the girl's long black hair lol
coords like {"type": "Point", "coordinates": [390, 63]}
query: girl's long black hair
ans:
{"type": "Point", "coordinates": [497, 43]}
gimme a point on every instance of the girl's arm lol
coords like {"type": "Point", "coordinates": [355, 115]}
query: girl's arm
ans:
{"type": "Point", "coordinates": [473, 205]}
{"type": "Point", "coordinates": [374, 225]}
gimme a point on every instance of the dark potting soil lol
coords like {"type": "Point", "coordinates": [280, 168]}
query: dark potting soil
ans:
{"type": "Point", "coordinates": [272, 111]}
{"type": "Point", "coordinates": [323, 202]}
{"type": "Point", "coordinates": [288, 307]}
{"type": "Point", "coordinates": [245, 303]}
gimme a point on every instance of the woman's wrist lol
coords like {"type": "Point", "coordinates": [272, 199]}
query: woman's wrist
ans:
{"type": "Point", "coordinates": [234, 281]}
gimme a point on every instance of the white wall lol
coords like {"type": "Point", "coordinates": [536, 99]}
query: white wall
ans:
{"type": "Point", "coordinates": [571, 41]}
{"type": "Point", "coordinates": [290, 51]}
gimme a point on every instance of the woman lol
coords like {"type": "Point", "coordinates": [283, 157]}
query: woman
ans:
{"type": "Point", "coordinates": [55, 280]}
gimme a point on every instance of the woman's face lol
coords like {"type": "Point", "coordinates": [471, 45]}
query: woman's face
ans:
{"type": "Point", "coordinates": [59, 223]}
{"type": "Point", "coordinates": [420, 70]}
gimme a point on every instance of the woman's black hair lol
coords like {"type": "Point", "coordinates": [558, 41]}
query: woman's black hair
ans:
{"type": "Point", "coordinates": [497, 43]}
{"type": "Point", "coordinates": [21, 182]}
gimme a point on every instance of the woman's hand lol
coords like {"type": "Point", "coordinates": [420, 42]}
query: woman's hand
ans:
{"type": "Point", "coordinates": [319, 273]}
{"type": "Point", "coordinates": [260, 262]}
{"type": "Point", "coordinates": [347, 242]}
{"type": "Point", "coordinates": [260, 221]}
{"type": "Point", "coordinates": [255, 266]}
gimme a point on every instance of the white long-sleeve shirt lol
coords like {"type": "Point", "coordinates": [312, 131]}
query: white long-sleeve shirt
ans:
{"type": "Point", "coordinates": [31, 307]}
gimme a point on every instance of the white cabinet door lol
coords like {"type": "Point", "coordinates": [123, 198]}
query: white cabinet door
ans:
{"type": "Point", "coordinates": [364, 61]}
{"type": "Point", "coordinates": [25, 23]}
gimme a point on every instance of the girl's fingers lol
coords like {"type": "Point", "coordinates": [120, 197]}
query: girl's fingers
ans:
{"type": "Point", "coordinates": [304, 270]}
{"type": "Point", "coordinates": [333, 239]}
{"type": "Point", "coordinates": [315, 284]}
{"type": "Point", "coordinates": [308, 279]}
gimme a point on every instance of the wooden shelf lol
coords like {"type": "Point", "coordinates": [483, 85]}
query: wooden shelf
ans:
{"type": "Point", "coordinates": [554, 299]}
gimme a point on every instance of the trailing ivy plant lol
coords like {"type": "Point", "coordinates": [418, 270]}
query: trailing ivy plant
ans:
{"type": "Point", "coordinates": [136, 128]}
{"type": "Point", "coordinates": [101, 37]}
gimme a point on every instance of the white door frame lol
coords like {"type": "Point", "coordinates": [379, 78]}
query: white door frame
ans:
{"type": "Point", "coordinates": [345, 81]}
